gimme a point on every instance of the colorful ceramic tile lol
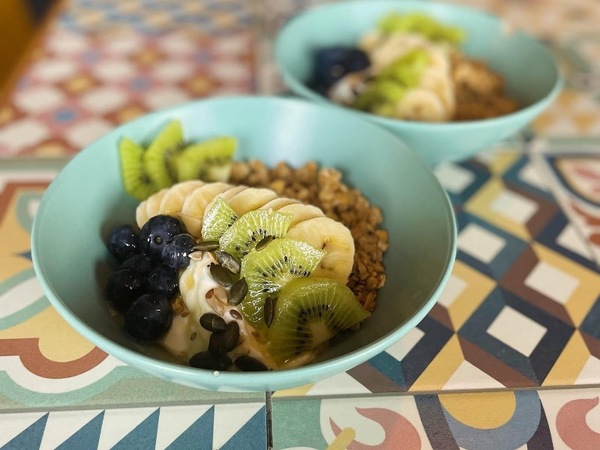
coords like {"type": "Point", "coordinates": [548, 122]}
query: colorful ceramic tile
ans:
{"type": "Point", "coordinates": [207, 426]}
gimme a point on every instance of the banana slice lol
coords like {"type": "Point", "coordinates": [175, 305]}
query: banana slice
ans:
{"type": "Point", "coordinates": [149, 207]}
{"type": "Point", "coordinates": [173, 199]}
{"type": "Point", "coordinates": [278, 203]}
{"type": "Point", "coordinates": [333, 237]}
{"type": "Point", "coordinates": [301, 212]}
{"type": "Point", "coordinates": [192, 210]}
{"type": "Point", "coordinates": [251, 199]}
{"type": "Point", "coordinates": [421, 104]}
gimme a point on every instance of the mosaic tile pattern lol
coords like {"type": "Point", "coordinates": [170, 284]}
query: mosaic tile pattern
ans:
{"type": "Point", "coordinates": [168, 427]}
{"type": "Point", "coordinates": [507, 420]}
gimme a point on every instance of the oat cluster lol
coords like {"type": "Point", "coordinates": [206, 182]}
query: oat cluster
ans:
{"type": "Point", "coordinates": [324, 187]}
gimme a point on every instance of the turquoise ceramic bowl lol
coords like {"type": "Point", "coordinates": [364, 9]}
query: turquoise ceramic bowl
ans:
{"type": "Point", "coordinates": [527, 66]}
{"type": "Point", "coordinates": [87, 199]}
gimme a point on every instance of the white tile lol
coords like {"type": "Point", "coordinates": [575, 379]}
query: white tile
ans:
{"type": "Point", "coordinates": [85, 132]}
{"type": "Point", "coordinates": [61, 425]}
{"type": "Point", "coordinates": [22, 133]}
{"type": "Point", "coordinates": [164, 97]}
{"type": "Point", "coordinates": [341, 383]}
{"type": "Point", "coordinates": [229, 71]}
{"type": "Point", "coordinates": [589, 372]}
{"type": "Point", "coordinates": [39, 99]}
{"type": "Point", "coordinates": [530, 175]}
{"type": "Point", "coordinates": [119, 422]}
{"type": "Point", "coordinates": [173, 71]}
{"type": "Point", "coordinates": [114, 70]}
{"type": "Point", "coordinates": [552, 282]}
{"type": "Point", "coordinates": [174, 420]}
{"type": "Point", "coordinates": [572, 240]}
{"type": "Point", "coordinates": [452, 291]}
{"type": "Point", "coordinates": [467, 376]}
{"type": "Point", "coordinates": [54, 70]}
{"type": "Point", "coordinates": [177, 45]}
{"type": "Point", "coordinates": [103, 100]}
{"type": "Point", "coordinates": [401, 348]}
{"type": "Point", "coordinates": [453, 178]}
{"type": "Point", "coordinates": [123, 44]}
{"type": "Point", "coordinates": [229, 419]}
{"type": "Point", "coordinates": [480, 243]}
{"type": "Point", "coordinates": [517, 330]}
{"type": "Point", "coordinates": [68, 43]}
{"type": "Point", "coordinates": [12, 425]}
{"type": "Point", "coordinates": [514, 206]}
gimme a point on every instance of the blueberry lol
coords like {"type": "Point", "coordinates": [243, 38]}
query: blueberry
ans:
{"type": "Point", "coordinates": [333, 63]}
{"type": "Point", "coordinates": [138, 262]}
{"type": "Point", "coordinates": [149, 317]}
{"type": "Point", "coordinates": [156, 233]}
{"type": "Point", "coordinates": [124, 286]}
{"type": "Point", "coordinates": [164, 280]}
{"type": "Point", "coordinates": [176, 250]}
{"type": "Point", "coordinates": [123, 242]}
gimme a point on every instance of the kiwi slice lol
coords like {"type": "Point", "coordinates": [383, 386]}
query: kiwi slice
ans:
{"type": "Point", "coordinates": [309, 312]}
{"type": "Point", "coordinates": [136, 181]}
{"type": "Point", "coordinates": [268, 269]}
{"type": "Point", "coordinates": [208, 161]}
{"type": "Point", "coordinates": [252, 227]}
{"type": "Point", "coordinates": [160, 155]}
{"type": "Point", "coordinates": [217, 220]}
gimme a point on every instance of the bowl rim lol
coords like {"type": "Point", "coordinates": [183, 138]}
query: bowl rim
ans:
{"type": "Point", "coordinates": [207, 379]}
{"type": "Point", "coordinates": [297, 85]}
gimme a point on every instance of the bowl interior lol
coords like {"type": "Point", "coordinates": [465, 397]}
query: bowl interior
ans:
{"type": "Point", "coordinates": [528, 67]}
{"type": "Point", "coordinates": [87, 199]}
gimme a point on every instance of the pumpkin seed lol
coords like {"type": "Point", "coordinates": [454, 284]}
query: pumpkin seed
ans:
{"type": "Point", "coordinates": [221, 275]}
{"type": "Point", "coordinates": [214, 344]}
{"type": "Point", "coordinates": [230, 337]}
{"type": "Point", "coordinates": [249, 364]}
{"type": "Point", "coordinates": [207, 246]}
{"type": "Point", "coordinates": [212, 322]}
{"type": "Point", "coordinates": [206, 360]}
{"type": "Point", "coordinates": [263, 243]}
{"type": "Point", "coordinates": [238, 292]}
{"type": "Point", "coordinates": [269, 310]}
{"type": "Point", "coordinates": [228, 261]}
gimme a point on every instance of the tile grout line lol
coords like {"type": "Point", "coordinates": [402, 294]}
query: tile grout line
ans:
{"type": "Point", "coordinates": [269, 419]}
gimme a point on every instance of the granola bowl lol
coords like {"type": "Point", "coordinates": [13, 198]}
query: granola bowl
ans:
{"type": "Point", "coordinates": [87, 199]}
{"type": "Point", "coordinates": [527, 68]}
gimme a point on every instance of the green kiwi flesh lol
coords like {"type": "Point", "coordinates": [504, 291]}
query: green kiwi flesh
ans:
{"type": "Point", "coordinates": [270, 268]}
{"type": "Point", "coordinates": [209, 160]}
{"type": "Point", "coordinates": [251, 228]}
{"type": "Point", "coordinates": [217, 220]}
{"type": "Point", "coordinates": [160, 154]}
{"type": "Point", "coordinates": [309, 312]}
{"type": "Point", "coordinates": [136, 181]}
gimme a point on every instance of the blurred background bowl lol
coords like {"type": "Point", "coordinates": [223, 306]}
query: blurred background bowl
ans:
{"type": "Point", "coordinates": [527, 66]}
{"type": "Point", "coordinates": [87, 199]}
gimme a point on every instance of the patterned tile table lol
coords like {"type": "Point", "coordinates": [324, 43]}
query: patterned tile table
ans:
{"type": "Point", "coordinates": [509, 357]}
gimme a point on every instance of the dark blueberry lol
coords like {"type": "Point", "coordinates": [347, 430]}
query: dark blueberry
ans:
{"type": "Point", "coordinates": [123, 242]}
{"type": "Point", "coordinates": [164, 280]}
{"type": "Point", "coordinates": [124, 286]}
{"type": "Point", "coordinates": [156, 233]}
{"type": "Point", "coordinates": [176, 250]}
{"type": "Point", "coordinates": [333, 63]}
{"type": "Point", "coordinates": [149, 317]}
{"type": "Point", "coordinates": [140, 263]}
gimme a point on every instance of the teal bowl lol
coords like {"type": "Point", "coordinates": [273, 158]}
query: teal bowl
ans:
{"type": "Point", "coordinates": [528, 67]}
{"type": "Point", "coordinates": [87, 199]}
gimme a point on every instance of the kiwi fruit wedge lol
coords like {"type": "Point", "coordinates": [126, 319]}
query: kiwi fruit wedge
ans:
{"type": "Point", "coordinates": [136, 181]}
{"type": "Point", "coordinates": [267, 269]}
{"type": "Point", "coordinates": [252, 227]}
{"type": "Point", "coordinates": [159, 157]}
{"type": "Point", "coordinates": [209, 160]}
{"type": "Point", "coordinates": [309, 312]}
{"type": "Point", "coordinates": [217, 220]}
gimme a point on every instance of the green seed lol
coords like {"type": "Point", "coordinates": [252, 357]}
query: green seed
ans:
{"type": "Point", "coordinates": [238, 292]}
{"type": "Point", "coordinates": [221, 275]}
{"type": "Point", "coordinates": [212, 322]}
{"type": "Point", "coordinates": [269, 310]}
{"type": "Point", "coordinates": [207, 246]}
{"type": "Point", "coordinates": [228, 261]}
{"type": "Point", "coordinates": [263, 243]}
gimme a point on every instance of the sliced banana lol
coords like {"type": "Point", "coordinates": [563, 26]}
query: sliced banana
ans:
{"type": "Point", "coordinates": [251, 199]}
{"type": "Point", "coordinates": [333, 237]}
{"type": "Point", "coordinates": [173, 199]}
{"type": "Point", "coordinates": [423, 105]}
{"type": "Point", "coordinates": [278, 203]}
{"type": "Point", "coordinates": [192, 210]}
{"type": "Point", "coordinates": [301, 212]}
{"type": "Point", "coordinates": [149, 207]}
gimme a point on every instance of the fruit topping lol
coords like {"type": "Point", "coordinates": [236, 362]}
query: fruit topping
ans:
{"type": "Point", "coordinates": [149, 317]}
{"type": "Point", "coordinates": [123, 242]}
{"type": "Point", "coordinates": [156, 233]}
{"type": "Point", "coordinates": [175, 252]}
{"type": "Point", "coordinates": [309, 312]}
{"type": "Point", "coordinates": [164, 280]}
{"type": "Point", "coordinates": [124, 286]}
{"type": "Point", "coordinates": [217, 219]}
